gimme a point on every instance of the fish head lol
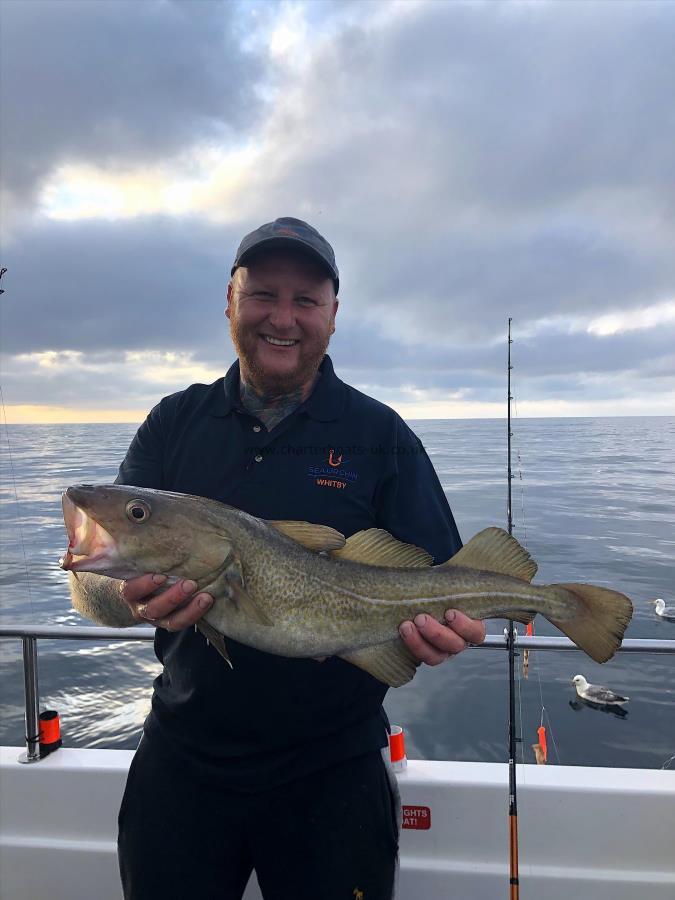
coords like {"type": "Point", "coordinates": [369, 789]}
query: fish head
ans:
{"type": "Point", "coordinates": [122, 532]}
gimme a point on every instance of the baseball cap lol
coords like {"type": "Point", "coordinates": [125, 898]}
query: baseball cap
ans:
{"type": "Point", "coordinates": [289, 232]}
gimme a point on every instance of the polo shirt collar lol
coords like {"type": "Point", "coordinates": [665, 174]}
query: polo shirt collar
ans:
{"type": "Point", "coordinates": [225, 392]}
{"type": "Point", "coordinates": [325, 403]}
{"type": "Point", "coordinates": [327, 400]}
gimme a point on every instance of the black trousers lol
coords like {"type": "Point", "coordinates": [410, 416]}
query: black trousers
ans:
{"type": "Point", "coordinates": [332, 835]}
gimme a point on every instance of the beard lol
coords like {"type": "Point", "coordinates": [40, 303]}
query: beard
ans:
{"type": "Point", "coordinates": [273, 384]}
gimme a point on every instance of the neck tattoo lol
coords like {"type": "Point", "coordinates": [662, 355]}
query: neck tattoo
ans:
{"type": "Point", "coordinates": [268, 408]}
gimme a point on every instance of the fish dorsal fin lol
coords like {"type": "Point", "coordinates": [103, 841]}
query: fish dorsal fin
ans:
{"type": "Point", "coordinates": [313, 537]}
{"type": "Point", "coordinates": [391, 662]}
{"type": "Point", "coordinates": [494, 550]}
{"type": "Point", "coordinates": [377, 547]}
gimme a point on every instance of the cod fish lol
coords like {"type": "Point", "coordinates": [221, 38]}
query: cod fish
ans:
{"type": "Point", "coordinates": [302, 590]}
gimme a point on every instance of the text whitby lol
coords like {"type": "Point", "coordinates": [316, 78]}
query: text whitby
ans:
{"type": "Point", "coordinates": [331, 482]}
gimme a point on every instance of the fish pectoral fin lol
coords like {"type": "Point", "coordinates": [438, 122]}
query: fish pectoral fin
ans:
{"type": "Point", "coordinates": [216, 639]}
{"type": "Point", "coordinates": [376, 547]}
{"type": "Point", "coordinates": [230, 585]}
{"type": "Point", "coordinates": [495, 550]}
{"type": "Point", "coordinates": [313, 537]}
{"type": "Point", "coordinates": [391, 662]}
{"type": "Point", "coordinates": [247, 606]}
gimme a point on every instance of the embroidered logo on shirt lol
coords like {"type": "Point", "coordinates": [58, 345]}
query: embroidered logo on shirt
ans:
{"type": "Point", "coordinates": [335, 462]}
{"type": "Point", "coordinates": [333, 473]}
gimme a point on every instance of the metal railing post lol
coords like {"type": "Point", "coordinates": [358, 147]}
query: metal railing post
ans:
{"type": "Point", "coordinates": [30, 683]}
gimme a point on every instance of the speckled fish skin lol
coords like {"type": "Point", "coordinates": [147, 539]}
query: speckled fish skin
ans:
{"type": "Point", "coordinates": [322, 607]}
{"type": "Point", "coordinates": [315, 605]}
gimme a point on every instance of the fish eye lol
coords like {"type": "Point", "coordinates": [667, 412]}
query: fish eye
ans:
{"type": "Point", "coordinates": [137, 511]}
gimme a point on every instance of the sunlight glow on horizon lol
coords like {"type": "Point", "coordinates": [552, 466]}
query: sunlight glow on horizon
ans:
{"type": "Point", "coordinates": [36, 414]}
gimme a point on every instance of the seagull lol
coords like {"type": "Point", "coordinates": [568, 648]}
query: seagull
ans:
{"type": "Point", "coordinates": [665, 612]}
{"type": "Point", "coordinates": [595, 693]}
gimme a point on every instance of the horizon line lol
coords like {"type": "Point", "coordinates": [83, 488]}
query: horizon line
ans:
{"type": "Point", "coordinates": [408, 419]}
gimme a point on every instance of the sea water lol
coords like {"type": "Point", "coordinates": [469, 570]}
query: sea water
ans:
{"type": "Point", "coordinates": [593, 500]}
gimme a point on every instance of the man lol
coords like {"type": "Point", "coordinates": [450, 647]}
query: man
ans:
{"type": "Point", "coordinates": [274, 764]}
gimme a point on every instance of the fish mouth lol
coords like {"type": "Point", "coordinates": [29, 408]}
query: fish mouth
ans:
{"type": "Point", "coordinates": [90, 547]}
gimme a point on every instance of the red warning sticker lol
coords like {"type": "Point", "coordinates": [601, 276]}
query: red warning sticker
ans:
{"type": "Point", "coordinates": [418, 817]}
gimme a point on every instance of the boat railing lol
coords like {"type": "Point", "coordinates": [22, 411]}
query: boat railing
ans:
{"type": "Point", "coordinates": [29, 637]}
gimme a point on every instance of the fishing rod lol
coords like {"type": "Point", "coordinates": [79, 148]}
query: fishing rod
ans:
{"type": "Point", "coordinates": [511, 640]}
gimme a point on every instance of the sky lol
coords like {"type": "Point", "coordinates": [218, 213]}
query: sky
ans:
{"type": "Point", "coordinates": [468, 161]}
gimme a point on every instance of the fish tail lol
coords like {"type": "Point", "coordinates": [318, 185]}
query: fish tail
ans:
{"type": "Point", "coordinates": [601, 620]}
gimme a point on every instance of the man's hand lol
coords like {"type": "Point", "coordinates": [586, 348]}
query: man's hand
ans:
{"type": "Point", "coordinates": [432, 643]}
{"type": "Point", "coordinates": [175, 608]}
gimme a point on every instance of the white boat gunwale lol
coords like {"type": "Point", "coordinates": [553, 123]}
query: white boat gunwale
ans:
{"type": "Point", "coordinates": [602, 834]}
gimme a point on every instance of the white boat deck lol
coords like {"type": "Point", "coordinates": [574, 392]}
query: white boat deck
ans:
{"type": "Point", "coordinates": [589, 834]}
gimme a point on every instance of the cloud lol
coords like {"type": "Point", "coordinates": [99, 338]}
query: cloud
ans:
{"type": "Point", "coordinates": [94, 286]}
{"type": "Point", "coordinates": [469, 162]}
{"type": "Point", "coordinates": [103, 380]}
{"type": "Point", "coordinates": [491, 158]}
{"type": "Point", "coordinates": [634, 320]}
{"type": "Point", "coordinates": [120, 82]}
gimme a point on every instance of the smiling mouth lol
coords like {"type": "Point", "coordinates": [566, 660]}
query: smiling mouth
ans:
{"type": "Point", "coordinates": [279, 342]}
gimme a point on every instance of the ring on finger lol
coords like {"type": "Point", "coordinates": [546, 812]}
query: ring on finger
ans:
{"type": "Point", "coordinates": [143, 613]}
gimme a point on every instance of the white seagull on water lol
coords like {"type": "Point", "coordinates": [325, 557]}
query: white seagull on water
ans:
{"type": "Point", "coordinates": [666, 612]}
{"type": "Point", "coordinates": [596, 693]}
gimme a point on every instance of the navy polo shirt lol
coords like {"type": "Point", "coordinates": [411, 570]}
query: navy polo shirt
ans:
{"type": "Point", "coordinates": [341, 459]}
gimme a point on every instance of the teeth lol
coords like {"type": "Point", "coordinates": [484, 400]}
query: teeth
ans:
{"type": "Point", "coordinates": [279, 342]}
